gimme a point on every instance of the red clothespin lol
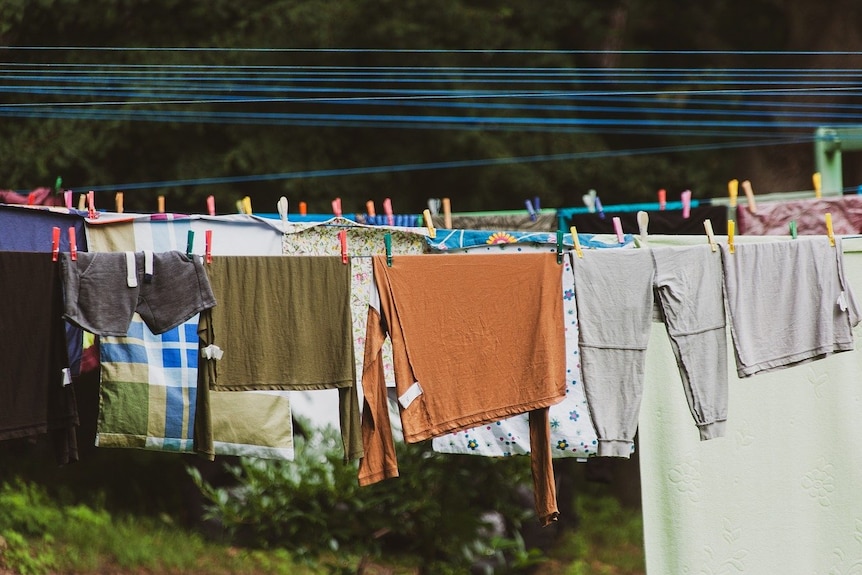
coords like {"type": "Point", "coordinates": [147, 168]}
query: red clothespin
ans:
{"type": "Point", "coordinates": [208, 257]}
{"type": "Point", "coordinates": [211, 205]}
{"type": "Point", "coordinates": [73, 244]}
{"type": "Point", "coordinates": [31, 198]}
{"type": "Point", "coordinates": [662, 199]}
{"type": "Point", "coordinates": [91, 205]}
{"type": "Point", "coordinates": [303, 208]}
{"type": "Point", "coordinates": [387, 209]}
{"type": "Point", "coordinates": [55, 243]}
{"type": "Point", "coordinates": [336, 207]}
{"type": "Point", "coordinates": [342, 238]}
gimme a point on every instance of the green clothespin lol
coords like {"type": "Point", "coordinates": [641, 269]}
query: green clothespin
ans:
{"type": "Point", "coordinates": [559, 246]}
{"type": "Point", "coordinates": [793, 229]}
{"type": "Point", "coordinates": [190, 244]}
{"type": "Point", "coordinates": [387, 240]}
{"type": "Point", "coordinates": [58, 185]}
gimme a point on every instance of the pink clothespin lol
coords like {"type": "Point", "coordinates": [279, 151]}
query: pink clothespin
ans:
{"type": "Point", "coordinates": [662, 199]}
{"type": "Point", "coordinates": [686, 203]}
{"type": "Point", "coordinates": [208, 257]}
{"type": "Point", "coordinates": [55, 243]}
{"type": "Point", "coordinates": [387, 209]}
{"type": "Point", "coordinates": [342, 238]}
{"type": "Point", "coordinates": [67, 199]}
{"type": "Point", "coordinates": [73, 244]}
{"type": "Point", "coordinates": [211, 205]}
{"type": "Point", "coordinates": [618, 229]}
{"type": "Point", "coordinates": [91, 205]}
{"type": "Point", "coordinates": [336, 207]}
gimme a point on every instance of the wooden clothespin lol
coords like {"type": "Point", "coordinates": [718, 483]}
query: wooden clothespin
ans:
{"type": "Point", "coordinates": [82, 202]}
{"type": "Point", "coordinates": [793, 229]}
{"type": "Point", "coordinates": [55, 243]}
{"type": "Point", "coordinates": [685, 197]}
{"type": "Point", "coordinates": [731, 228]}
{"type": "Point", "coordinates": [118, 202]}
{"type": "Point", "coordinates": [91, 204]}
{"type": "Point", "coordinates": [73, 244]}
{"type": "Point", "coordinates": [662, 199]}
{"type": "Point", "coordinates": [732, 191]}
{"type": "Point", "coordinates": [161, 204]}
{"type": "Point", "coordinates": [303, 208]}
{"type": "Point", "coordinates": [387, 241]}
{"type": "Point", "coordinates": [447, 214]}
{"type": "Point", "coordinates": [818, 184]}
{"type": "Point", "coordinates": [559, 246]}
{"type": "Point", "coordinates": [281, 206]}
{"type": "Point", "coordinates": [426, 215]}
{"type": "Point", "coordinates": [342, 239]}
{"type": "Point", "coordinates": [211, 205]}
{"type": "Point", "coordinates": [829, 231]}
{"type": "Point", "coordinates": [387, 209]}
{"type": "Point", "coordinates": [208, 250]}
{"type": "Point", "coordinates": [576, 241]}
{"type": "Point", "coordinates": [190, 243]}
{"type": "Point", "coordinates": [336, 207]}
{"type": "Point", "coordinates": [618, 229]}
{"type": "Point", "coordinates": [710, 235]}
{"type": "Point", "coordinates": [749, 195]}
{"type": "Point", "coordinates": [643, 225]}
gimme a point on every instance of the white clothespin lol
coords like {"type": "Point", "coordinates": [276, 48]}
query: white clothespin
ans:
{"type": "Point", "coordinates": [590, 201]}
{"type": "Point", "coordinates": [281, 205]}
{"type": "Point", "coordinates": [643, 224]}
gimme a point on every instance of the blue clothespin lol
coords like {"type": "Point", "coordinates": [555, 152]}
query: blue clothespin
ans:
{"type": "Point", "coordinates": [599, 209]}
{"type": "Point", "coordinates": [536, 204]}
{"type": "Point", "coordinates": [530, 209]}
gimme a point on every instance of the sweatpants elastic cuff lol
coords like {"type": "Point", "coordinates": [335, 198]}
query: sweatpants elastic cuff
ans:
{"type": "Point", "coordinates": [712, 430]}
{"type": "Point", "coordinates": [615, 448]}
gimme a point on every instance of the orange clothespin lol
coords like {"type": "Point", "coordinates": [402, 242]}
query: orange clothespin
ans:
{"type": "Point", "coordinates": [731, 229]}
{"type": "Point", "coordinates": [91, 204]}
{"type": "Point", "coordinates": [818, 184]}
{"type": "Point", "coordinates": [73, 244]}
{"type": "Point", "coordinates": [710, 235]}
{"type": "Point", "coordinates": [576, 241]}
{"type": "Point", "coordinates": [426, 215]}
{"type": "Point", "coordinates": [208, 257]}
{"type": "Point", "coordinates": [447, 214]}
{"type": "Point", "coordinates": [387, 209]}
{"type": "Point", "coordinates": [662, 199]}
{"type": "Point", "coordinates": [211, 205]}
{"type": "Point", "coordinates": [55, 243]}
{"type": "Point", "coordinates": [336, 207]}
{"type": "Point", "coordinates": [369, 208]}
{"type": "Point", "coordinates": [342, 238]}
{"type": "Point", "coordinates": [749, 195]}
{"type": "Point", "coordinates": [303, 208]}
{"type": "Point", "coordinates": [161, 204]}
{"type": "Point", "coordinates": [118, 202]}
{"type": "Point", "coordinates": [829, 231]}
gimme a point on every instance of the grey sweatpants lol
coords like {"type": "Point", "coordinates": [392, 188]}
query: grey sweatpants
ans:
{"type": "Point", "coordinates": [615, 291]}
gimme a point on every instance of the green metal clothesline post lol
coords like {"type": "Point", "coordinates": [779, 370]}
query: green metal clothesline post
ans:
{"type": "Point", "coordinates": [829, 143]}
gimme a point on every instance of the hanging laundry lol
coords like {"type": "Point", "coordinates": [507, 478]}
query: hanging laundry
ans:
{"type": "Point", "coordinates": [789, 302]}
{"type": "Point", "coordinates": [283, 323]}
{"type": "Point", "coordinates": [38, 197]}
{"type": "Point", "coordinates": [219, 418]}
{"type": "Point", "coordinates": [36, 395]}
{"type": "Point", "coordinates": [476, 338]}
{"type": "Point", "coordinates": [614, 295]}
{"type": "Point", "coordinates": [773, 218]}
{"type": "Point", "coordinates": [543, 222]}
{"type": "Point", "coordinates": [320, 407]}
{"type": "Point", "coordinates": [660, 221]}
{"type": "Point", "coordinates": [572, 431]}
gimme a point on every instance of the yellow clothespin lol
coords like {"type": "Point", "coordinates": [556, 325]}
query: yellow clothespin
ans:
{"type": "Point", "coordinates": [749, 194]}
{"type": "Point", "coordinates": [731, 228]}
{"type": "Point", "coordinates": [818, 183]}
{"type": "Point", "coordinates": [733, 191]}
{"type": "Point", "coordinates": [426, 215]}
{"type": "Point", "coordinates": [710, 235]}
{"type": "Point", "coordinates": [118, 200]}
{"type": "Point", "coordinates": [576, 241]}
{"type": "Point", "coordinates": [246, 205]}
{"type": "Point", "coordinates": [829, 231]}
